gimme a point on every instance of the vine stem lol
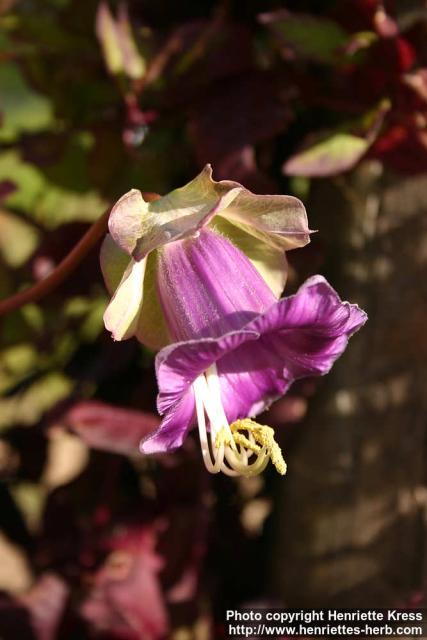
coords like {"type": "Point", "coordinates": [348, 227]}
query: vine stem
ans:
{"type": "Point", "coordinates": [67, 264]}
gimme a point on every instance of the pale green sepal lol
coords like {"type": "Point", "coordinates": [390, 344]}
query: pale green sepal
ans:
{"type": "Point", "coordinates": [151, 328]}
{"type": "Point", "coordinates": [114, 263]}
{"type": "Point", "coordinates": [281, 219]}
{"type": "Point", "coordinates": [122, 314]}
{"type": "Point", "coordinates": [138, 227]}
{"type": "Point", "coordinates": [270, 261]}
{"type": "Point", "coordinates": [129, 220]}
{"type": "Point", "coordinates": [184, 211]}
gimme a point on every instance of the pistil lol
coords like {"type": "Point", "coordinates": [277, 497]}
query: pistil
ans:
{"type": "Point", "coordinates": [226, 447]}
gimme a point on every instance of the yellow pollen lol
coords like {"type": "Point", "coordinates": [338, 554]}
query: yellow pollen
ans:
{"type": "Point", "coordinates": [262, 435]}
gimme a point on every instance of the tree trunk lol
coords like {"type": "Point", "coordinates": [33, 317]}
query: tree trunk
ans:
{"type": "Point", "coordinates": [351, 523]}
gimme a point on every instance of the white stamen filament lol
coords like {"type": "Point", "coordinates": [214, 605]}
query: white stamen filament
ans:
{"type": "Point", "coordinates": [222, 449]}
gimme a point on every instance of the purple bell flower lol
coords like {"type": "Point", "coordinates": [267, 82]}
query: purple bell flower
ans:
{"type": "Point", "coordinates": [236, 349]}
{"type": "Point", "coordinates": [197, 274]}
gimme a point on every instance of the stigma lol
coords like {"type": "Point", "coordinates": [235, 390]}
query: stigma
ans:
{"type": "Point", "coordinates": [242, 448]}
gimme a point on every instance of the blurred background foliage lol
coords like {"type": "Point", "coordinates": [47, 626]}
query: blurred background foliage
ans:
{"type": "Point", "coordinates": [325, 100]}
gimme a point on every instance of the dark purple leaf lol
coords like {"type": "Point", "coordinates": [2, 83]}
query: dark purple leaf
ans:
{"type": "Point", "coordinates": [241, 112]}
{"type": "Point", "coordinates": [46, 602]}
{"type": "Point", "coordinates": [110, 428]}
{"type": "Point", "coordinates": [126, 597]}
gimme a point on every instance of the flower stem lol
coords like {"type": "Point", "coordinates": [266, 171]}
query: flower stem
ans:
{"type": "Point", "coordinates": [67, 264]}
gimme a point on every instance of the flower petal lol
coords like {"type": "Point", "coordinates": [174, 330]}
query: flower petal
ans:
{"type": "Point", "coordinates": [301, 335]}
{"type": "Point", "coordinates": [208, 287]}
{"type": "Point", "coordinates": [305, 333]}
{"type": "Point", "coordinates": [270, 261]}
{"type": "Point", "coordinates": [174, 427]}
{"type": "Point", "coordinates": [298, 336]}
{"type": "Point", "coordinates": [178, 365]}
{"type": "Point", "coordinates": [248, 393]}
{"type": "Point", "coordinates": [122, 314]}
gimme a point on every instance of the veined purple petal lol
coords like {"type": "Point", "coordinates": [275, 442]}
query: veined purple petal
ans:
{"type": "Point", "coordinates": [298, 336]}
{"type": "Point", "coordinates": [174, 427]}
{"type": "Point", "coordinates": [178, 365]}
{"type": "Point", "coordinates": [248, 393]}
{"type": "Point", "coordinates": [208, 287]}
{"type": "Point", "coordinates": [304, 334]}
